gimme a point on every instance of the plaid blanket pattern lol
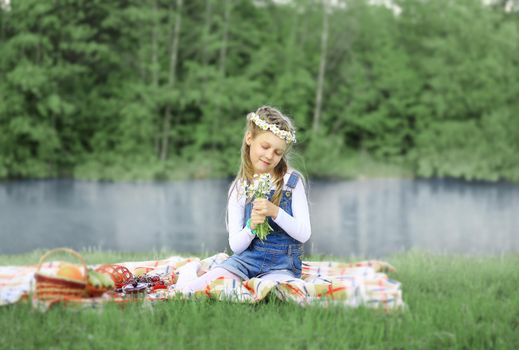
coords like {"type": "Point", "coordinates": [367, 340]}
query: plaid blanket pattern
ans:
{"type": "Point", "coordinates": [322, 283]}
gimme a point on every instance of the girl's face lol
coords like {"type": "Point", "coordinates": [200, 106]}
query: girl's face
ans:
{"type": "Point", "coordinates": [266, 150]}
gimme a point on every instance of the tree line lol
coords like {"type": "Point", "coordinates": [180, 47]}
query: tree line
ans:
{"type": "Point", "coordinates": [159, 89]}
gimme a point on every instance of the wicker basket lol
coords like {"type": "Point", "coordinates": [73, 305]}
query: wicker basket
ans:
{"type": "Point", "coordinates": [120, 274]}
{"type": "Point", "coordinates": [59, 288]}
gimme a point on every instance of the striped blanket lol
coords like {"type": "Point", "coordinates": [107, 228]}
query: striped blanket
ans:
{"type": "Point", "coordinates": [322, 283]}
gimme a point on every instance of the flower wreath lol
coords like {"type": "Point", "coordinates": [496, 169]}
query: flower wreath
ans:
{"type": "Point", "coordinates": [288, 136]}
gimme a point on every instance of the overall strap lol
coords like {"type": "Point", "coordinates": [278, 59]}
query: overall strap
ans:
{"type": "Point", "coordinates": [292, 180]}
{"type": "Point", "coordinates": [247, 213]}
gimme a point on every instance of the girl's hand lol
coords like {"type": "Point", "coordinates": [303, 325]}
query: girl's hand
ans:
{"type": "Point", "coordinates": [256, 219]}
{"type": "Point", "coordinates": [264, 207]}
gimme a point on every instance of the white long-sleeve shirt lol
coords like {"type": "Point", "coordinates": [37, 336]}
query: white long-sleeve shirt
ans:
{"type": "Point", "coordinates": [297, 225]}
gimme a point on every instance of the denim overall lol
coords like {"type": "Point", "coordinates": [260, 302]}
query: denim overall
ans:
{"type": "Point", "coordinates": [278, 252]}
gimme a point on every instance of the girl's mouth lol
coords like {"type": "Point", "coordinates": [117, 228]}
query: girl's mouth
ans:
{"type": "Point", "coordinates": [265, 162]}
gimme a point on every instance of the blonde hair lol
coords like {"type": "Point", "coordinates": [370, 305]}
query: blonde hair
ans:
{"type": "Point", "coordinates": [246, 171]}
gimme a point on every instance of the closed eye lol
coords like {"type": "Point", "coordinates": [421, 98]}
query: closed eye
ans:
{"type": "Point", "coordinates": [278, 152]}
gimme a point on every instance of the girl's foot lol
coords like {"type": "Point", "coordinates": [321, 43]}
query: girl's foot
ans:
{"type": "Point", "coordinates": [187, 273]}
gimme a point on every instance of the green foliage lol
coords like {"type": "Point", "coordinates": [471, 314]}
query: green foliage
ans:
{"type": "Point", "coordinates": [85, 87]}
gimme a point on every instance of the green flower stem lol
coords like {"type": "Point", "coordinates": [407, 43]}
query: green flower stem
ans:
{"type": "Point", "coordinates": [262, 230]}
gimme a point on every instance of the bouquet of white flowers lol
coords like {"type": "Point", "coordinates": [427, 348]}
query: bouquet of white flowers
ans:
{"type": "Point", "coordinates": [259, 188]}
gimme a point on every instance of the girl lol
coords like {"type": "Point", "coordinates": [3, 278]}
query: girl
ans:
{"type": "Point", "coordinates": [268, 138]}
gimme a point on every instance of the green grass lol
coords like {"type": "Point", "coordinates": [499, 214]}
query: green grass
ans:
{"type": "Point", "coordinates": [92, 256]}
{"type": "Point", "coordinates": [453, 302]}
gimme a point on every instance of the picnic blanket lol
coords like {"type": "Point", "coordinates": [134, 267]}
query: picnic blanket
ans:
{"type": "Point", "coordinates": [351, 284]}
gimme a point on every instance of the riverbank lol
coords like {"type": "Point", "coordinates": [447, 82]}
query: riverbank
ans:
{"type": "Point", "coordinates": [453, 302]}
{"type": "Point", "coordinates": [214, 165]}
{"type": "Point", "coordinates": [325, 164]}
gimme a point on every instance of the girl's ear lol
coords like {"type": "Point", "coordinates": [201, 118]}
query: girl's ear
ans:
{"type": "Point", "coordinates": [248, 138]}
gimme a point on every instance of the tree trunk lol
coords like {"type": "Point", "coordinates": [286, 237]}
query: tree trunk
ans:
{"type": "Point", "coordinates": [155, 47]}
{"type": "Point", "coordinates": [303, 31]}
{"type": "Point", "coordinates": [215, 123]}
{"type": "Point", "coordinates": [207, 30]}
{"type": "Point", "coordinates": [291, 44]}
{"type": "Point", "coordinates": [205, 63]}
{"type": "Point", "coordinates": [223, 49]}
{"type": "Point", "coordinates": [155, 64]}
{"type": "Point", "coordinates": [322, 68]}
{"type": "Point", "coordinates": [166, 126]}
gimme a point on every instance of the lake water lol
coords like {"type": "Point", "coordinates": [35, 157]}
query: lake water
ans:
{"type": "Point", "coordinates": [365, 218]}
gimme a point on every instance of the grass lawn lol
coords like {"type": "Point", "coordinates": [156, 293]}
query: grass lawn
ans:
{"type": "Point", "coordinates": [453, 302]}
